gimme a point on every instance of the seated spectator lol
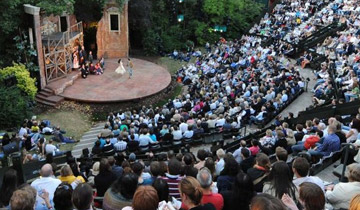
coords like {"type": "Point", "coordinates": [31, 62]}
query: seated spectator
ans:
{"type": "Point", "coordinates": [62, 197]}
{"type": "Point", "coordinates": [82, 197]}
{"type": "Point", "coordinates": [191, 194]}
{"type": "Point", "coordinates": [67, 176]}
{"type": "Point", "coordinates": [96, 150]}
{"type": "Point", "coordinates": [108, 149]}
{"type": "Point", "coordinates": [162, 189]}
{"type": "Point", "coordinates": [311, 196]}
{"type": "Point", "coordinates": [133, 145]}
{"type": "Point", "coordinates": [331, 144]}
{"type": "Point", "coordinates": [188, 133]}
{"type": "Point", "coordinates": [267, 142]}
{"type": "Point", "coordinates": [220, 153]}
{"type": "Point", "coordinates": [205, 179]}
{"type": "Point", "coordinates": [173, 177]}
{"type": "Point", "coordinates": [145, 198]}
{"type": "Point", "coordinates": [281, 154]}
{"type": "Point", "coordinates": [241, 194]}
{"type": "Point", "coordinates": [266, 202]}
{"type": "Point", "coordinates": [280, 181]}
{"type": "Point", "coordinates": [299, 133]}
{"type": "Point", "coordinates": [309, 143]}
{"type": "Point", "coordinates": [237, 153]}
{"type": "Point", "coordinates": [93, 173]}
{"type": "Point", "coordinates": [352, 135]}
{"type": "Point", "coordinates": [144, 140]}
{"type": "Point", "coordinates": [105, 132]}
{"type": "Point", "coordinates": [201, 155]}
{"type": "Point", "coordinates": [105, 178]}
{"type": "Point", "coordinates": [301, 167]}
{"type": "Point", "coordinates": [260, 171]}
{"type": "Point", "coordinates": [339, 195]}
{"type": "Point", "coordinates": [9, 185]}
{"type": "Point", "coordinates": [47, 182]}
{"type": "Point", "coordinates": [189, 169]}
{"type": "Point", "coordinates": [25, 198]}
{"type": "Point", "coordinates": [176, 132]}
{"type": "Point", "coordinates": [116, 169]}
{"type": "Point", "coordinates": [228, 174]}
{"type": "Point", "coordinates": [120, 145]}
{"type": "Point", "coordinates": [144, 177]}
{"type": "Point", "coordinates": [254, 149]}
{"type": "Point", "coordinates": [247, 160]}
{"type": "Point", "coordinates": [121, 193]}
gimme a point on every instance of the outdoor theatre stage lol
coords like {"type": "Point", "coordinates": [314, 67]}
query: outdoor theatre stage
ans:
{"type": "Point", "coordinates": [148, 79]}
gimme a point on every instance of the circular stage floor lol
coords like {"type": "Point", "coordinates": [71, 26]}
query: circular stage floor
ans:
{"type": "Point", "coordinates": [148, 79]}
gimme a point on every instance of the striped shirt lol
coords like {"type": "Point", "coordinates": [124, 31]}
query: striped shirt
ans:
{"type": "Point", "coordinates": [173, 183]}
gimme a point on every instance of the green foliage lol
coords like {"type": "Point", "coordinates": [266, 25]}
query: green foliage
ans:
{"type": "Point", "coordinates": [151, 42]}
{"type": "Point", "coordinates": [14, 106]}
{"type": "Point", "coordinates": [200, 17]}
{"type": "Point", "coordinates": [89, 10]}
{"type": "Point", "coordinates": [24, 82]}
{"type": "Point", "coordinates": [56, 7]}
{"type": "Point", "coordinates": [25, 53]}
{"type": "Point", "coordinates": [121, 4]}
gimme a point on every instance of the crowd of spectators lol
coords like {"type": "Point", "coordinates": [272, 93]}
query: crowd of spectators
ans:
{"type": "Point", "coordinates": [235, 83]}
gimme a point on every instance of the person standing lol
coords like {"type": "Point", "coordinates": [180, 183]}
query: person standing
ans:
{"type": "Point", "coordinates": [120, 69]}
{"type": "Point", "coordinates": [130, 68]}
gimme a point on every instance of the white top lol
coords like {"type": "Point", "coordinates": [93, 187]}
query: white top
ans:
{"type": "Point", "coordinates": [183, 127]}
{"type": "Point", "coordinates": [47, 183]}
{"type": "Point", "coordinates": [49, 148]}
{"type": "Point", "coordinates": [177, 134]}
{"type": "Point", "coordinates": [342, 194]}
{"type": "Point", "coordinates": [354, 136]}
{"type": "Point", "coordinates": [313, 179]}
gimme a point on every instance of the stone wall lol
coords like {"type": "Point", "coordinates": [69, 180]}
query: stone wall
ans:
{"type": "Point", "coordinates": [113, 44]}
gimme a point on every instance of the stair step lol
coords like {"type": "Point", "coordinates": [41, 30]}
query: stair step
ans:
{"type": "Point", "coordinates": [40, 101]}
{"type": "Point", "coordinates": [50, 100]}
{"type": "Point", "coordinates": [43, 93]}
{"type": "Point", "coordinates": [48, 90]}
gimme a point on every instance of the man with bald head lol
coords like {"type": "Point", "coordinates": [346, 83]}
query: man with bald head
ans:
{"type": "Point", "coordinates": [46, 182]}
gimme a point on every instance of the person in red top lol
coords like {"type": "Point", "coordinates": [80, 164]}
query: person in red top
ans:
{"type": "Point", "coordinates": [254, 149]}
{"type": "Point", "coordinates": [205, 179]}
{"type": "Point", "coordinates": [309, 143]}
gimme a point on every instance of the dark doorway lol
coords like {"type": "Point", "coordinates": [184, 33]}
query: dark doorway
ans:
{"type": "Point", "coordinates": [63, 24]}
{"type": "Point", "coordinates": [90, 30]}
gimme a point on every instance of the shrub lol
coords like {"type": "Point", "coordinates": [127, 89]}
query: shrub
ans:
{"type": "Point", "coordinates": [14, 106]}
{"type": "Point", "coordinates": [24, 82]}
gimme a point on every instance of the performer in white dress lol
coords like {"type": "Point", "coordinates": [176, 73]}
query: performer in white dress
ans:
{"type": "Point", "coordinates": [120, 69]}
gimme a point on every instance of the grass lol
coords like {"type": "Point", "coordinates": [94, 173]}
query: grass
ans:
{"type": "Point", "coordinates": [172, 65]}
{"type": "Point", "coordinates": [74, 123]}
{"type": "Point", "coordinates": [177, 91]}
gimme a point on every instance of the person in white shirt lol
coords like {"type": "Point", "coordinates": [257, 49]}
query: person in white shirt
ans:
{"type": "Point", "coordinates": [300, 168]}
{"type": "Point", "coordinates": [183, 126]}
{"type": "Point", "coordinates": [46, 182]}
{"type": "Point", "coordinates": [220, 164]}
{"type": "Point", "coordinates": [23, 130]}
{"type": "Point", "coordinates": [177, 134]}
{"type": "Point", "coordinates": [189, 132]}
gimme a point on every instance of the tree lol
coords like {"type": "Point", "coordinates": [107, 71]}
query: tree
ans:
{"type": "Point", "coordinates": [13, 21]}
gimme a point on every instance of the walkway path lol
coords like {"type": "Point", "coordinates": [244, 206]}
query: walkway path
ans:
{"type": "Point", "coordinates": [88, 139]}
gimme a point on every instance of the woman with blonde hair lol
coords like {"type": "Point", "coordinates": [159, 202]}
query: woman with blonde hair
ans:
{"type": "Point", "coordinates": [355, 203]}
{"type": "Point", "coordinates": [67, 176]}
{"type": "Point", "coordinates": [93, 172]}
{"type": "Point", "coordinates": [191, 194]}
